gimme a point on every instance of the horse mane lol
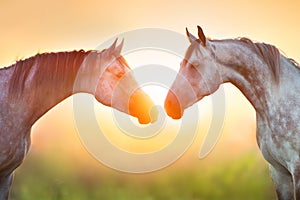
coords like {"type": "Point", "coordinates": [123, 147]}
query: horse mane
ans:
{"type": "Point", "coordinates": [268, 53]}
{"type": "Point", "coordinates": [46, 66]}
{"type": "Point", "coordinates": [294, 62]}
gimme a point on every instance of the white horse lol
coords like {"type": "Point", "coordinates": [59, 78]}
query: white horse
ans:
{"type": "Point", "coordinates": [31, 87]}
{"type": "Point", "coordinates": [269, 80]}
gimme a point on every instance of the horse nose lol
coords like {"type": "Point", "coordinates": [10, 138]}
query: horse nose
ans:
{"type": "Point", "coordinates": [142, 107]}
{"type": "Point", "coordinates": [172, 106]}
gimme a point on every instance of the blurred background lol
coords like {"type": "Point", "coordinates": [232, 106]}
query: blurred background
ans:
{"type": "Point", "coordinates": [59, 167]}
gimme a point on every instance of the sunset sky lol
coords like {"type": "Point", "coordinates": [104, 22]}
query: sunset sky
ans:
{"type": "Point", "coordinates": [32, 26]}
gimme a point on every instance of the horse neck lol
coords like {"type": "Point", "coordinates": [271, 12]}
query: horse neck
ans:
{"type": "Point", "coordinates": [40, 82]}
{"type": "Point", "coordinates": [248, 71]}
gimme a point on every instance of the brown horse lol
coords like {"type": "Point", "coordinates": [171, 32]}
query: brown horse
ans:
{"type": "Point", "coordinates": [269, 80]}
{"type": "Point", "coordinates": [29, 88]}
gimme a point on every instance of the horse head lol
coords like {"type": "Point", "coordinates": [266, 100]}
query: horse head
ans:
{"type": "Point", "coordinates": [198, 76]}
{"type": "Point", "coordinates": [116, 87]}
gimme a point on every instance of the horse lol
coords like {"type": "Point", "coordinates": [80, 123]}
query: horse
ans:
{"type": "Point", "coordinates": [271, 83]}
{"type": "Point", "coordinates": [31, 87]}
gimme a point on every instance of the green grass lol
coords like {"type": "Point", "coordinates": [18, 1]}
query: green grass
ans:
{"type": "Point", "coordinates": [47, 178]}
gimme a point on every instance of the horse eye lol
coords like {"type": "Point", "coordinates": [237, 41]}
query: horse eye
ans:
{"type": "Point", "coordinates": [116, 69]}
{"type": "Point", "coordinates": [183, 62]}
{"type": "Point", "coordinates": [120, 72]}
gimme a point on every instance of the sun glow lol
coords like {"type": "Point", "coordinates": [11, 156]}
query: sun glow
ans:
{"type": "Point", "coordinates": [154, 82]}
{"type": "Point", "coordinates": [157, 93]}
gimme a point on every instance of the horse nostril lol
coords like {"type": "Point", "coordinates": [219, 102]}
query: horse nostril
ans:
{"type": "Point", "coordinates": [172, 106]}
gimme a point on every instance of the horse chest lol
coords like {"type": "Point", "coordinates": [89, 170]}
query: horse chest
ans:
{"type": "Point", "coordinates": [278, 139]}
{"type": "Point", "coordinates": [13, 149]}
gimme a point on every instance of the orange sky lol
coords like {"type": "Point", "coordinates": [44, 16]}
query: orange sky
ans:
{"type": "Point", "coordinates": [32, 26]}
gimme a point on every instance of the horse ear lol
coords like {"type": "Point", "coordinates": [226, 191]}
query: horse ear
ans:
{"type": "Point", "coordinates": [191, 38]}
{"type": "Point", "coordinates": [118, 49]}
{"type": "Point", "coordinates": [112, 47]}
{"type": "Point", "coordinates": [201, 35]}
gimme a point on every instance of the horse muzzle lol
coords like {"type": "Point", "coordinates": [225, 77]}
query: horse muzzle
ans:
{"type": "Point", "coordinates": [142, 107]}
{"type": "Point", "coordinates": [172, 106]}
